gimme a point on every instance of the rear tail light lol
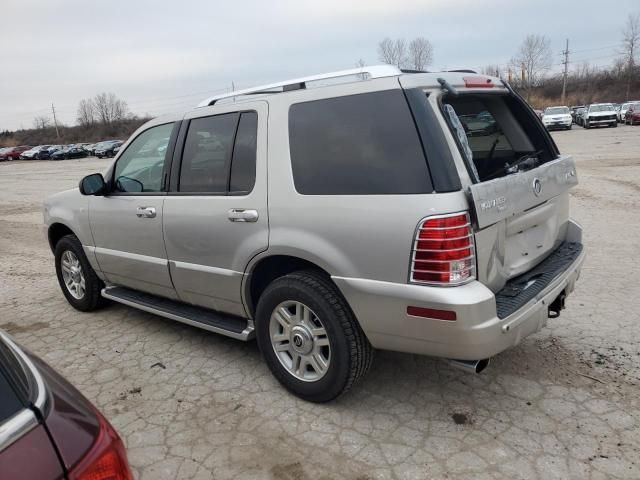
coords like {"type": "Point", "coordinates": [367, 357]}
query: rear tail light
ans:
{"type": "Point", "coordinates": [443, 251]}
{"type": "Point", "coordinates": [105, 460]}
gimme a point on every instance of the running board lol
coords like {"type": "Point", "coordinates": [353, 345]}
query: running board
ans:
{"type": "Point", "coordinates": [229, 325]}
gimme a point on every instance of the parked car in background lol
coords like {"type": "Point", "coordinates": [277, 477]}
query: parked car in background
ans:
{"type": "Point", "coordinates": [539, 113]}
{"type": "Point", "coordinates": [45, 154]}
{"type": "Point", "coordinates": [106, 149]}
{"type": "Point", "coordinates": [13, 153]}
{"type": "Point", "coordinates": [244, 224]}
{"type": "Point", "coordinates": [632, 114]}
{"type": "Point", "coordinates": [623, 110]}
{"type": "Point", "coordinates": [71, 151]}
{"type": "Point", "coordinates": [574, 112]}
{"type": "Point", "coordinates": [598, 115]}
{"type": "Point", "coordinates": [557, 117]}
{"type": "Point", "coordinates": [579, 115]}
{"type": "Point", "coordinates": [32, 154]}
{"type": "Point", "coordinates": [48, 429]}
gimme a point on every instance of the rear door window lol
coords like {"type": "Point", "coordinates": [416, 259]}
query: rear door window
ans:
{"type": "Point", "coordinates": [243, 164]}
{"type": "Point", "coordinates": [495, 134]}
{"type": "Point", "coordinates": [207, 154]}
{"type": "Point", "coordinates": [364, 144]}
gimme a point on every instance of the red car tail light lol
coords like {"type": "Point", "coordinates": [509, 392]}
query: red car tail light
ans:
{"type": "Point", "coordinates": [443, 251]}
{"type": "Point", "coordinates": [105, 460]}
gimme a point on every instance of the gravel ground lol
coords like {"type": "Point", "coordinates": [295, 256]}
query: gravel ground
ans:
{"type": "Point", "coordinates": [194, 405]}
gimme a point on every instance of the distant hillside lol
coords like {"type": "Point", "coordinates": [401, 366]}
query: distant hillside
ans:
{"type": "Point", "coordinates": [47, 136]}
{"type": "Point", "coordinates": [586, 86]}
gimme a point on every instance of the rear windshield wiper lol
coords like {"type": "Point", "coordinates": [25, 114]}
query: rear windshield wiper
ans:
{"type": "Point", "coordinates": [528, 160]}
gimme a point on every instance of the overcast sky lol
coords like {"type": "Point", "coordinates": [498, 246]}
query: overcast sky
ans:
{"type": "Point", "coordinates": [165, 56]}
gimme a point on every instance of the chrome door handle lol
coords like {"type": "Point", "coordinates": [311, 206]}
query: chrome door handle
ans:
{"type": "Point", "coordinates": [146, 212]}
{"type": "Point", "coordinates": [242, 215]}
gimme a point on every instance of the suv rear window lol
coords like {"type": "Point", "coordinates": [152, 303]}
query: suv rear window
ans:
{"type": "Point", "coordinates": [363, 144]}
{"type": "Point", "coordinates": [495, 134]}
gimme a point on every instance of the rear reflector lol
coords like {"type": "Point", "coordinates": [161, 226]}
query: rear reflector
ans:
{"type": "Point", "coordinates": [106, 460]}
{"type": "Point", "coordinates": [443, 251]}
{"type": "Point", "coordinates": [478, 82]}
{"type": "Point", "coordinates": [431, 313]}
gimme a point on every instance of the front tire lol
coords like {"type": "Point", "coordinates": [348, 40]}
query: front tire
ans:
{"type": "Point", "coordinates": [78, 281]}
{"type": "Point", "coordinates": [309, 337]}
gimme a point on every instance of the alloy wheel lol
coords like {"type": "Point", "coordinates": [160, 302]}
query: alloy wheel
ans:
{"type": "Point", "coordinates": [72, 274]}
{"type": "Point", "coordinates": [300, 341]}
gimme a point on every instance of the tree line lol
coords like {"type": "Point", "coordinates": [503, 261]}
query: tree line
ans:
{"type": "Point", "coordinates": [528, 69]}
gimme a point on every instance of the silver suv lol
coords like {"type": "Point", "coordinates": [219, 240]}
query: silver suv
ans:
{"type": "Point", "coordinates": [330, 215]}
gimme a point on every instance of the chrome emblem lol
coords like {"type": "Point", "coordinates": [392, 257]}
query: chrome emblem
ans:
{"type": "Point", "coordinates": [537, 186]}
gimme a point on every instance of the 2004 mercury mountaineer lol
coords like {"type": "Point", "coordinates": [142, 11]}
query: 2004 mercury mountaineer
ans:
{"type": "Point", "coordinates": [331, 215]}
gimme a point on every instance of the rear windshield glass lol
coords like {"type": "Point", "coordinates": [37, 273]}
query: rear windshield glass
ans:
{"type": "Point", "coordinates": [496, 135]}
{"type": "Point", "coordinates": [362, 144]}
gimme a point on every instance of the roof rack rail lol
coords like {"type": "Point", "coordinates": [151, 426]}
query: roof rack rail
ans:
{"type": "Point", "coordinates": [462, 71]}
{"type": "Point", "coordinates": [364, 73]}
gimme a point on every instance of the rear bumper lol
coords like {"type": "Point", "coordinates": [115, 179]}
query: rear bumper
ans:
{"type": "Point", "coordinates": [477, 333]}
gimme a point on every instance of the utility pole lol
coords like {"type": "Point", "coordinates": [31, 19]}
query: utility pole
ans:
{"type": "Point", "coordinates": [566, 67]}
{"type": "Point", "coordinates": [55, 121]}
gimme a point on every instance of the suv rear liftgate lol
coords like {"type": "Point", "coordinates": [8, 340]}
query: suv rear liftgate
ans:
{"type": "Point", "coordinates": [520, 196]}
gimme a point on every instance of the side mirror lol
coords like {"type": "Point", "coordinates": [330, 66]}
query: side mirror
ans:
{"type": "Point", "coordinates": [93, 184]}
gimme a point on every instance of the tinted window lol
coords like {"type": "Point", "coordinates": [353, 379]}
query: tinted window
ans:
{"type": "Point", "coordinates": [358, 144]}
{"type": "Point", "coordinates": [207, 154]}
{"type": "Point", "coordinates": [243, 166]}
{"type": "Point", "coordinates": [140, 167]}
{"type": "Point", "coordinates": [9, 402]}
{"type": "Point", "coordinates": [12, 381]}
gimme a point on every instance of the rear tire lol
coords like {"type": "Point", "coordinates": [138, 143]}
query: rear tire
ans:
{"type": "Point", "coordinates": [335, 341]}
{"type": "Point", "coordinates": [78, 281]}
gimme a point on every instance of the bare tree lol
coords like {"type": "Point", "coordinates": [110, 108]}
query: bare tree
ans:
{"type": "Point", "coordinates": [420, 53]}
{"type": "Point", "coordinates": [630, 45]}
{"type": "Point", "coordinates": [86, 112]}
{"type": "Point", "coordinates": [109, 108]}
{"type": "Point", "coordinates": [393, 52]}
{"type": "Point", "coordinates": [360, 63]}
{"type": "Point", "coordinates": [534, 58]}
{"type": "Point", "coordinates": [493, 70]}
{"type": "Point", "coordinates": [41, 122]}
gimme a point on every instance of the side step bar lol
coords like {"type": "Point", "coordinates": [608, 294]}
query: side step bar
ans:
{"type": "Point", "coordinates": [229, 325]}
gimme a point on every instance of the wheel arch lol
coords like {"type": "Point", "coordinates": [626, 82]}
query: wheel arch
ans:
{"type": "Point", "coordinates": [55, 232]}
{"type": "Point", "coordinates": [268, 268]}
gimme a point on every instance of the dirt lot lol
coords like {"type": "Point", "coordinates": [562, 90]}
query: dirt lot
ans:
{"type": "Point", "coordinates": [193, 405]}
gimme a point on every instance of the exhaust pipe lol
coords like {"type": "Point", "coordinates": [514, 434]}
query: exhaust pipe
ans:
{"type": "Point", "coordinates": [469, 366]}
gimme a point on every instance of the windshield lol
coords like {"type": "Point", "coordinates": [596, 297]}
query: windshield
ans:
{"type": "Point", "coordinates": [601, 108]}
{"type": "Point", "coordinates": [556, 111]}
